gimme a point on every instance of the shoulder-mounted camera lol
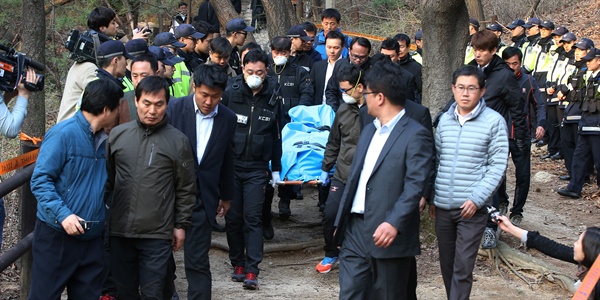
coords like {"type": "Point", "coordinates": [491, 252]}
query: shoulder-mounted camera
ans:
{"type": "Point", "coordinates": [83, 46]}
{"type": "Point", "coordinates": [12, 65]}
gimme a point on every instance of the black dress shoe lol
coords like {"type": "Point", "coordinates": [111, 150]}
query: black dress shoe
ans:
{"type": "Point", "coordinates": [218, 227]}
{"type": "Point", "coordinates": [568, 193]}
{"type": "Point", "coordinates": [540, 144]}
{"type": "Point", "coordinates": [546, 156]}
{"type": "Point", "coordinates": [556, 156]}
{"type": "Point", "coordinates": [564, 177]}
{"type": "Point", "coordinates": [268, 231]}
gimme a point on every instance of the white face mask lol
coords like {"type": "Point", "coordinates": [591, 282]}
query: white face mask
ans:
{"type": "Point", "coordinates": [280, 60]}
{"type": "Point", "coordinates": [254, 81]}
{"type": "Point", "coordinates": [348, 99]}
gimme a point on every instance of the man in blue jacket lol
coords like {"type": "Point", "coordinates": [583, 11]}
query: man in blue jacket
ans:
{"type": "Point", "coordinates": [68, 183]}
{"type": "Point", "coordinates": [330, 20]}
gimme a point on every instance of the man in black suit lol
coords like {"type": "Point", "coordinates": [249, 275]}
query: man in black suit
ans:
{"type": "Point", "coordinates": [210, 127]}
{"type": "Point", "coordinates": [378, 220]}
{"type": "Point", "coordinates": [323, 70]}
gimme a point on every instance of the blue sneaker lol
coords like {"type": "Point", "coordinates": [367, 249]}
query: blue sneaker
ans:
{"type": "Point", "coordinates": [326, 264]}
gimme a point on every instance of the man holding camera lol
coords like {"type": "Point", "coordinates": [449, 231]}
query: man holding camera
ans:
{"type": "Point", "coordinates": [68, 183]}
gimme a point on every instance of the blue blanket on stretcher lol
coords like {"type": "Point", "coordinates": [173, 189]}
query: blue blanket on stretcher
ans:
{"type": "Point", "coordinates": [304, 140]}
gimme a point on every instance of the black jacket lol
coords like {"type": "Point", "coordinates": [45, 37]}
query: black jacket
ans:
{"type": "Point", "coordinates": [190, 59]}
{"type": "Point", "coordinates": [302, 59]}
{"type": "Point", "coordinates": [296, 87]}
{"type": "Point", "coordinates": [317, 75]}
{"type": "Point", "coordinates": [503, 94]}
{"type": "Point", "coordinates": [234, 61]}
{"type": "Point", "coordinates": [572, 114]}
{"type": "Point", "coordinates": [257, 140]}
{"type": "Point", "coordinates": [518, 41]}
{"type": "Point", "coordinates": [590, 118]}
{"type": "Point", "coordinates": [415, 68]}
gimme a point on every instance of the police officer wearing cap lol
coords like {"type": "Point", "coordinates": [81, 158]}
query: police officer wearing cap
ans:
{"type": "Point", "coordinates": [296, 89]}
{"type": "Point", "coordinates": [182, 79]}
{"type": "Point", "coordinates": [298, 56]}
{"type": "Point", "coordinates": [571, 94]}
{"type": "Point", "coordinates": [473, 28]}
{"type": "Point", "coordinates": [236, 33]}
{"type": "Point", "coordinates": [518, 33]}
{"type": "Point", "coordinates": [135, 48]}
{"type": "Point", "coordinates": [254, 98]}
{"type": "Point", "coordinates": [587, 150]}
{"type": "Point", "coordinates": [497, 30]}
{"type": "Point", "coordinates": [187, 34]}
{"type": "Point", "coordinates": [112, 61]}
{"type": "Point", "coordinates": [419, 44]}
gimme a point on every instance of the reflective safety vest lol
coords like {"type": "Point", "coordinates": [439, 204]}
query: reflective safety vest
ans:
{"type": "Point", "coordinates": [181, 80]}
{"type": "Point", "coordinates": [127, 85]}
{"type": "Point", "coordinates": [417, 57]}
{"type": "Point", "coordinates": [469, 54]}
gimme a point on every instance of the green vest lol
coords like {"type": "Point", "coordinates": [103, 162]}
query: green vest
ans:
{"type": "Point", "coordinates": [181, 80]}
{"type": "Point", "coordinates": [128, 85]}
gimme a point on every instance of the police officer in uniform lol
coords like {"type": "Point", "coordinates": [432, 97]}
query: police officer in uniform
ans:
{"type": "Point", "coordinates": [296, 88]}
{"type": "Point", "coordinates": [253, 97]}
{"type": "Point", "coordinates": [588, 142]}
{"type": "Point", "coordinates": [518, 33]}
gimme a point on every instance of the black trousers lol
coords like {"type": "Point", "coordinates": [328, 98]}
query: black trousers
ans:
{"type": "Point", "coordinates": [196, 247]}
{"type": "Point", "coordinates": [366, 277]}
{"type": "Point", "coordinates": [60, 260]}
{"type": "Point", "coordinates": [568, 136]}
{"type": "Point", "coordinates": [553, 119]}
{"type": "Point", "coordinates": [244, 220]}
{"type": "Point", "coordinates": [522, 161]}
{"type": "Point", "coordinates": [331, 208]}
{"type": "Point", "coordinates": [140, 267]}
{"type": "Point", "coordinates": [458, 243]}
{"type": "Point", "coordinates": [586, 153]}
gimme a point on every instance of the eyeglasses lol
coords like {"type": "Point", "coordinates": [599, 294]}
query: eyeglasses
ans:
{"type": "Point", "coordinates": [358, 57]}
{"type": "Point", "coordinates": [470, 89]}
{"type": "Point", "coordinates": [365, 95]}
{"type": "Point", "coordinates": [346, 91]}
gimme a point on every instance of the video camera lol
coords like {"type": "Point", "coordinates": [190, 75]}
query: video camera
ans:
{"type": "Point", "coordinates": [81, 45]}
{"type": "Point", "coordinates": [12, 65]}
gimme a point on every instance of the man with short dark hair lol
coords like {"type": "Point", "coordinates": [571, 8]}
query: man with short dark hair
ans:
{"type": "Point", "coordinates": [311, 31]}
{"type": "Point", "coordinates": [471, 155]}
{"type": "Point", "coordinates": [68, 183]}
{"type": "Point", "coordinates": [323, 70]}
{"type": "Point", "coordinates": [330, 20]}
{"type": "Point", "coordinates": [298, 55]}
{"type": "Point", "coordinates": [187, 34]}
{"type": "Point", "coordinates": [219, 52]}
{"type": "Point", "coordinates": [236, 33]}
{"type": "Point", "coordinates": [142, 66]}
{"type": "Point", "coordinates": [378, 222]}
{"type": "Point", "coordinates": [210, 127]}
{"type": "Point", "coordinates": [151, 190]}
{"type": "Point", "coordinates": [203, 44]}
{"type": "Point", "coordinates": [408, 63]}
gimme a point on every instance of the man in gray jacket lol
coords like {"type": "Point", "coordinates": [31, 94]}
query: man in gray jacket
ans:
{"type": "Point", "coordinates": [151, 190]}
{"type": "Point", "coordinates": [471, 156]}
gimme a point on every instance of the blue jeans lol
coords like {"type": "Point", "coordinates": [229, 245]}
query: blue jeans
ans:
{"type": "Point", "coordinates": [2, 217]}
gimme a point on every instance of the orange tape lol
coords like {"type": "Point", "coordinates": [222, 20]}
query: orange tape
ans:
{"type": "Point", "coordinates": [25, 137]}
{"type": "Point", "coordinates": [19, 161]}
{"type": "Point", "coordinates": [413, 47]}
{"type": "Point", "coordinates": [589, 282]}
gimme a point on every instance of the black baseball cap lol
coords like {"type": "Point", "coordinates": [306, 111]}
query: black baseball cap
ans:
{"type": "Point", "coordinates": [167, 39]}
{"type": "Point", "coordinates": [593, 53]}
{"type": "Point", "coordinates": [585, 44]}
{"type": "Point", "coordinates": [184, 30]}
{"type": "Point", "coordinates": [238, 24]}
{"type": "Point", "coordinates": [568, 37]}
{"type": "Point", "coordinates": [160, 55]}
{"type": "Point", "coordinates": [515, 24]}
{"type": "Point", "coordinates": [419, 34]}
{"type": "Point", "coordinates": [532, 22]}
{"type": "Point", "coordinates": [172, 56]}
{"type": "Point", "coordinates": [560, 30]}
{"type": "Point", "coordinates": [474, 22]}
{"type": "Point", "coordinates": [298, 31]}
{"type": "Point", "coordinates": [548, 25]}
{"type": "Point", "coordinates": [112, 48]}
{"type": "Point", "coordinates": [136, 47]}
{"type": "Point", "coordinates": [494, 27]}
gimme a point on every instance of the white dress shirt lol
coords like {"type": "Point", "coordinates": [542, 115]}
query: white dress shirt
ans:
{"type": "Point", "coordinates": [328, 75]}
{"type": "Point", "coordinates": [377, 142]}
{"type": "Point", "coordinates": [462, 120]}
{"type": "Point", "coordinates": [204, 125]}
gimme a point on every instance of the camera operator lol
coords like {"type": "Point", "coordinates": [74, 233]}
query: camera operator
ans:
{"type": "Point", "coordinates": [10, 123]}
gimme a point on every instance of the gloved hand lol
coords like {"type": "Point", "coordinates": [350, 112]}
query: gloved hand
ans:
{"type": "Point", "coordinates": [324, 178]}
{"type": "Point", "coordinates": [275, 178]}
{"type": "Point", "coordinates": [522, 145]}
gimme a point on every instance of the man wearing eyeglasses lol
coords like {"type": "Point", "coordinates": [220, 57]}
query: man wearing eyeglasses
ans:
{"type": "Point", "coordinates": [237, 30]}
{"type": "Point", "coordinates": [187, 34]}
{"type": "Point", "coordinates": [471, 146]}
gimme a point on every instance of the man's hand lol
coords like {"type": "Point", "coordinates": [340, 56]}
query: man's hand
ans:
{"type": "Point", "coordinates": [468, 209]}
{"type": "Point", "coordinates": [384, 235]}
{"type": "Point", "coordinates": [71, 225]}
{"type": "Point", "coordinates": [539, 133]}
{"type": "Point", "coordinates": [550, 91]}
{"type": "Point", "coordinates": [560, 96]}
{"type": "Point", "coordinates": [422, 203]}
{"type": "Point", "coordinates": [432, 211]}
{"type": "Point", "coordinates": [29, 77]}
{"type": "Point", "coordinates": [223, 208]}
{"type": "Point", "coordinates": [178, 238]}
{"type": "Point", "coordinates": [140, 34]}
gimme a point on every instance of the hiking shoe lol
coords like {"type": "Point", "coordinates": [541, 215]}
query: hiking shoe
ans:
{"type": "Point", "coordinates": [284, 208]}
{"type": "Point", "coordinates": [489, 239]}
{"type": "Point", "coordinates": [516, 219]}
{"type": "Point", "coordinates": [251, 282]}
{"type": "Point", "coordinates": [238, 274]}
{"type": "Point", "coordinates": [326, 264]}
{"type": "Point", "coordinates": [503, 209]}
{"type": "Point", "coordinates": [268, 231]}
{"type": "Point", "coordinates": [107, 297]}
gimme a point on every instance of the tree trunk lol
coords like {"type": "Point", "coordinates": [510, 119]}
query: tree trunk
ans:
{"type": "Point", "coordinates": [225, 12]}
{"type": "Point", "coordinates": [531, 11]}
{"type": "Point", "coordinates": [34, 45]}
{"type": "Point", "coordinates": [444, 35]}
{"type": "Point", "coordinates": [279, 17]}
{"type": "Point", "coordinates": [475, 9]}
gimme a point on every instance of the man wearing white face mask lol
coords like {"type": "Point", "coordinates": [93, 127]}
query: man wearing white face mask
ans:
{"type": "Point", "coordinates": [339, 151]}
{"type": "Point", "coordinates": [254, 98]}
{"type": "Point", "coordinates": [296, 89]}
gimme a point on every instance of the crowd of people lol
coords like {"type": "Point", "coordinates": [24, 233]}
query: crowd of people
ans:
{"type": "Point", "coordinates": [153, 142]}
